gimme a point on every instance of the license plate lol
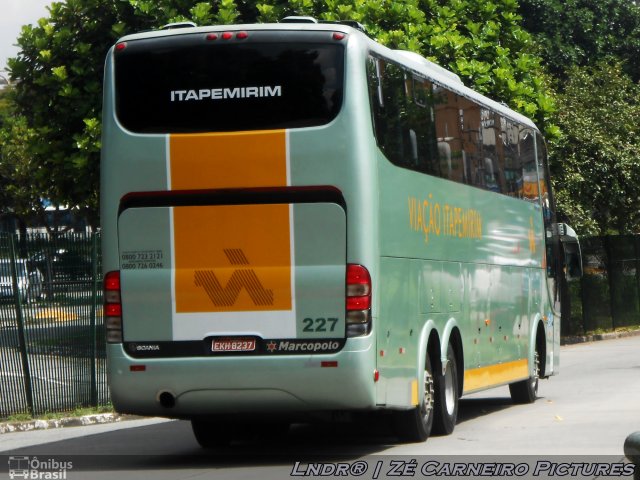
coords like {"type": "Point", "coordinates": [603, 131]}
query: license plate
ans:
{"type": "Point", "coordinates": [233, 345]}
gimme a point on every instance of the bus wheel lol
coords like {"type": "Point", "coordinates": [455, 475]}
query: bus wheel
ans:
{"type": "Point", "coordinates": [526, 390]}
{"type": "Point", "coordinates": [211, 434]}
{"type": "Point", "coordinates": [415, 425]}
{"type": "Point", "coordinates": [446, 404]}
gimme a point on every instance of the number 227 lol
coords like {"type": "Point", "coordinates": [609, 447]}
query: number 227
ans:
{"type": "Point", "coordinates": [319, 324]}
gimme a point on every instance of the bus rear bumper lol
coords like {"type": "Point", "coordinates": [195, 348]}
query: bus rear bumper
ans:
{"type": "Point", "coordinates": [200, 386]}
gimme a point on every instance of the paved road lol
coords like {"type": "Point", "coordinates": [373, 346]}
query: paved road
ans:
{"type": "Point", "coordinates": [588, 410]}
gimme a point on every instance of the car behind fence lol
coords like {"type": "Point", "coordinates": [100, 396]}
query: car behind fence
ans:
{"type": "Point", "coordinates": [52, 350]}
{"type": "Point", "coordinates": [52, 347]}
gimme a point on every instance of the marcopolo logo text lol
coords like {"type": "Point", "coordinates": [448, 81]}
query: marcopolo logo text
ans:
{"type": "Point", "coordinates": [303, 346]}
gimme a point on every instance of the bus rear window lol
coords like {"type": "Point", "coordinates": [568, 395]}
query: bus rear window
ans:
{"type": "Point", "coordinates": [182, 85]}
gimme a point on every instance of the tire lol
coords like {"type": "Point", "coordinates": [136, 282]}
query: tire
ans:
{"type": "Point", "coordinates": [526, 391]}
{"type": "Point", "coordinates": [447, 395]}
{"type": "Point", "coordinates": [415, 425]}
{"type": "Point", "coordinates": [211, 434]}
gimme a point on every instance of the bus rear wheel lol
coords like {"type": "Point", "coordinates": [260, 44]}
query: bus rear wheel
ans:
{"type": "Point", "coordinates": [526, 391]}
{"type": "Point", "coordinates": [446, 399]}
{"type": "Point", "coordinates": [415, 425]}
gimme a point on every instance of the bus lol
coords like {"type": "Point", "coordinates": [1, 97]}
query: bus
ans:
{"type": "Point", "coordinates": [300, 223]}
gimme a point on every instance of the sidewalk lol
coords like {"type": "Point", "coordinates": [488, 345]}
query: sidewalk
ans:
{"type": "Point", "coordinates": [39, 424]}
{"type": "Point", "coordinates": [595, 337]}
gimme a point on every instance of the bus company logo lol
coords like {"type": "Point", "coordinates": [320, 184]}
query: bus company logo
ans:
{"type": "Point", "coordinates": [303, 346]}
{"type": "Point", "coordinates": [241, 278]}
{"type": "Point", "coordinates": [135, 347]}
{"type": "Point", "coordinates": [33, 468]}
{"type": "Point", "coordinates": [225, 93]}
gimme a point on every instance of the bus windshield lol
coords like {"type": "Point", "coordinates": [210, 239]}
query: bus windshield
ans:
{"type": "Point", "coordinates": [191, 84]}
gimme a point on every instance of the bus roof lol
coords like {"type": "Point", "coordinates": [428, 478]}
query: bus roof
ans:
{"type": "Point", "coordinates": [414, 61]}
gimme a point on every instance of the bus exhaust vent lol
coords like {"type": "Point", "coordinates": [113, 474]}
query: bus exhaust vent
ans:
{"type": "Point", "coordinates": [296, 19]}
{"type": "Point", "coordinates": [348, 23]}
{"type": "Point", "coordinates": [352, 24]}
{"type": "Point", "coordinates": [173, 26]}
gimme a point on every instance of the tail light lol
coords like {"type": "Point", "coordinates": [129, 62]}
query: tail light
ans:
{"type": "Point", "coordinates": [358, 301]}
{"type": "Point", "coordinates": [113, 307]}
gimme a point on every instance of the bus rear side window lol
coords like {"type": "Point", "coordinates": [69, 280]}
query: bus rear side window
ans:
{"type": "Point", "coordinates": [191, 86]}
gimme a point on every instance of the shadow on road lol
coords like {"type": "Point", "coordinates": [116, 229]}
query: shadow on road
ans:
{"type": "Point", "coordinates": [471, 408]}
{"type": "Point", "coordinates": [171, 445]}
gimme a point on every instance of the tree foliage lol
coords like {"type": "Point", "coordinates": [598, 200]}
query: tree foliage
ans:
{"type": "Point", "coordinates": [583, 32]}
{"type": "Point", "coordinates": [19, 197]}
{"type": "Point", "coordinates": [597, 159]}
{"type": "Point", "coordinates": [58, 91]}
{"type": "Point", "coordinates": [60, 64]}
{"type": "Point", "coordinates": [581, 42]}
{"type": "Point", "coordinates": [483, 42]}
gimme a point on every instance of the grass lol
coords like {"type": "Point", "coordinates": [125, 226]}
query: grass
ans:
{"type": "Point", "coordinates": [78, 412]}
{"type": "Point", "coordinates": [599, 331]}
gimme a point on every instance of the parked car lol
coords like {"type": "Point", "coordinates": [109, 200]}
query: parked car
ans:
{"type": "Point", "coordinates": [29, 281]}
{"type": "Point", "coordinates": [62, 265]}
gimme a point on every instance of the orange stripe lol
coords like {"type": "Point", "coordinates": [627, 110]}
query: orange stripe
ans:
{"type": "Point", "coordinates": [493, 375]}
{"type": "Point", "coordinates": [231, 258]}
{"type": "Point", "coordinates": [228, 160]}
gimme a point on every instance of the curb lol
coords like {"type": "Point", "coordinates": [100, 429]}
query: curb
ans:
{"type": "Point", "coordinates": [572, 340]}
{"type": "Point", "coordinates": [97, 419]}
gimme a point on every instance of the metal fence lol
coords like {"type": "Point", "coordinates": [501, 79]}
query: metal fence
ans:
{"type": "Point", "coordinates": [52, 351]}
{"type": "Point", "coordinates": [608, 295]}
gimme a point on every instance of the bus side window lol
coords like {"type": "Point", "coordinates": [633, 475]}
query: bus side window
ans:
{"type": "Point", "coordinates": [453, 161]}
{"type": "Point", "coordinates": [527, 184]}
{"type": "Point", "coordinates": [554, 259]}
{"type": "Point", "coordinates": [481, 161]}
{"type": "Point", "coordinates": [385, 86]}
{"type": "Point", "coordinates": [402, 116]}
{"type": "Point", "coordinates": [512, 160]}
{"type": "Point", "coordinates": [490, 146]}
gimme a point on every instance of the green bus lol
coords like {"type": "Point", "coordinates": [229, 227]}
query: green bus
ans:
{"type": "Point", "coordinates": [299, 222]}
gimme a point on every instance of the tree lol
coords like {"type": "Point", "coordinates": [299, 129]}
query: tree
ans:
{"type": "Point", "coordinates": [597, 159]}
{"type": "Point", "coordinates": [583, 32]}
{"type": "Point", "coordinates": [483, 42]}
{"type": "Point", "coordinates": [18, 197]}
{"type": "Point", "coordinates": [59, 68]}
{"type": "Point", "coordinates": [58, 91]}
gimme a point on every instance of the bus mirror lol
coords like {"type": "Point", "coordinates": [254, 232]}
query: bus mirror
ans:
{"type": "Point", "coordinates": [572, 253]}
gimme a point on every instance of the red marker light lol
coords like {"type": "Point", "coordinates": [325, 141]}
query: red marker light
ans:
{"type": "Point", "coordinates": [121, 46]}
{"type": "Point", "coordinates": [212, 36]}
{"type": "Point", "coordinates": [338, 35]}
{"type": "Point", "coordinates": [113, 310]}
{"type": "Point", "coordinates": [227, 35]}
{"type": "Point", "coordinates": [112, 281]}
{"type": "Point", "coordinates": [329, 364]}
{"type": "Point", "coordinates": [242, 35]}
